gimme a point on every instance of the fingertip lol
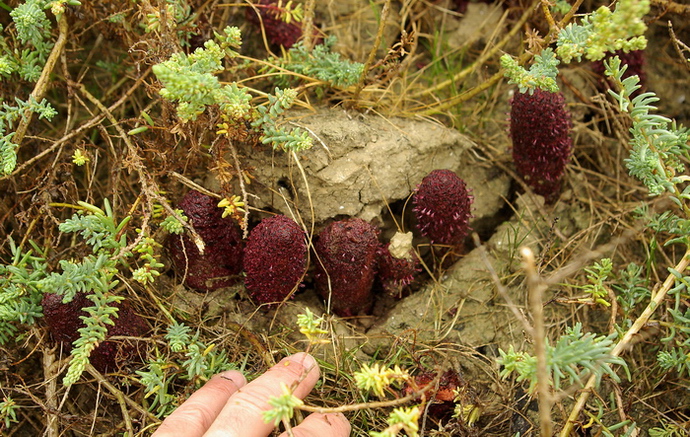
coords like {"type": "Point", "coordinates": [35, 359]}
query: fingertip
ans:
{"type": "Point", "coordinates": [197, 413]}
{"type": "Point", "coordinates": [320, 424]}
{"type": "Point", "coordinates": [299, 372]}
{"type": "Point", "coordinates": [234, 376]}
{"type": "Point", "coordinates": [303, 359]}
{"type": "Point", "coordinates": [307, 372]}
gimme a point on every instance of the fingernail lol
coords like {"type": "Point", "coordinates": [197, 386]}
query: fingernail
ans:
{"type": "Point", "coordinates": [303, 358]}
{"type": "Point", "coordinates": [235, 377]}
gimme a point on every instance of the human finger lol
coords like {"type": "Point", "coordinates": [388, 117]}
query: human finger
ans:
{"type": "Point", "coordinates": [243, 413]}
{"type": "Point", "coordinates": [317, 425]}
{"type": "Point", "coordinates": [196, 414]}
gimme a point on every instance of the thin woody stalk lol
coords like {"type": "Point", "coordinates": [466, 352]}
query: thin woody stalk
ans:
{"type": "Point", "coordinates": [536, 288]}
{"type": "Point", "coordinates": [41, 86]}
{"type": "Point", "coordinates": [627, 341]}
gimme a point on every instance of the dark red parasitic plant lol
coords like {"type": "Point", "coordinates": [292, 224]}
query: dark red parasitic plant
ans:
{"type": "Point", "coordinates": [346, 265]}
{"type": "Point", "coordinates": [275, 259]}
{"type": "Point", "coordinates": [442, 205]}
{"type": "Point", "coordinates": [63, 320]}
{"type": "Point", "coordinates": [397, 264]}
{"type": "Point", "coordinates": [279, 32]}
{"type": "Point", "coordinates": [220, 264]}
{"type": "Point", "coordinates": [540, 129]}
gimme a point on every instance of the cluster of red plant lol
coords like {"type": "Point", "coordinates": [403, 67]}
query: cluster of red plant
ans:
{"type": "Point", "coordinates": [349, 257]}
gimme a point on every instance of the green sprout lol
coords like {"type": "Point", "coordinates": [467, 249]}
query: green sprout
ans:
{"type": "Point", "coordinates": [147, 273]}
{"type": "Point", "coordinates": [283, 406]}
{"type": "Point", "coordinates": [660, 148]}
{"type": "Point", "coordinates": [597, 275]}
{"type": "Point", "coordinates": [94, 275]}
{"type": "Point", "coordinates": [156, 381]}
{"type": "Point", "coordinates": [176, 12]}
{"type": "Point", "coordinates": [320, 63]}
{"type": "Point", "coordinates": [310, 326]}
{"type": "Point", "coordinates": [8, 411]}
{"type": "Point", "coordinates": [378, 378]}
{"type": "Point", "coordinates": [178, 336]}
{"type": "Point", "coordinates": [289, 12]}
{"type": "Point", "coordinates": [675, 358]}
{"type": "Point", "coordinates": [469, 413]}
{"type": "Point", "coordinates": [295, 139]}
{"type": "Point", "coordinates": [190, 79]}
{"type": "Point", "coordinates": [401, 419]}
{"type": "Point", "coordinates": [191, 360]}
{"type": "Point", "coordinates": [605, 31]}
{"type": "Point", "coordinates": [9, 114]}
{"type": "Point", "coordinates": [232, 206]}
{"type": "Point", "coordinates": [79, 157]}
{"type": "Point", "coordinates": [667, 430]}
{"type": "Point", "coordinates": [57, 7]}
{"type": "Point", "coordinates": [542, 74]}
{"type": "Point", "coordinates": [27, 59]}
{"type": "Point", "coordinates": [172, 224]}
{"type": "Point", "coordinates": [20, 289]}
{"type": "Point", "coordinates": [600, 32]}
{"type": "Point", "coordinates": [575, 356]}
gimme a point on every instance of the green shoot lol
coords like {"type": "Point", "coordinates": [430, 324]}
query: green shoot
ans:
{"type": "Point", "coordinates": [377, 378]}
{"type": "Point", "coordinates": [575, 356]}
{"type": "Point", "coordinates": [401, 419]}
{"type": "Point", "coordinates": [283, 406]}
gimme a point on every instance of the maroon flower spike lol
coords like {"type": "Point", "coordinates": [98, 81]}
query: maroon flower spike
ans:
{"type": "Point", "coordinates": [220, 264]}
{"type": "Point", "coordinates": [398, 264]}
{"type": "Point", "coordinates": [63, 320]}
{"type": "Point", "coordinates": [346, 265]}
{"type": "Point", "coordinates": [278, 32]}
{"type": "Point", "coordinates": [443, 208]}
{"type": "Point", "coordinates": [275, 259]}
{"type": "Point", "coordinates": [540, 130]}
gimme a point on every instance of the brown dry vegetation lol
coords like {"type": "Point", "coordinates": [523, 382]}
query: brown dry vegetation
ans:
{"type": "Point", "coordinates": [434, 65]}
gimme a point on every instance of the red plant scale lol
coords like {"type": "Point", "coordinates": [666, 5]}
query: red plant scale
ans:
{"type": "Point", "coordinates": [275, 259]}
{"type": "Point", "coordinates": [540, 129]}
{"type": "Point", "coordinates": [63, 320]}
{"type": "Point", "coordinates": [221, 262]}
{"type": "Point", "coordinates": [443, 208]}
{"type": "Point", "coordinates": [397, 264]}
{"type": "Point", "coordinates": [346, 265]}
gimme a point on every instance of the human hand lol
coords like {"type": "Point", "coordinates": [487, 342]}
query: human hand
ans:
{"type": "Point", "coordinates": [225, 407]}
